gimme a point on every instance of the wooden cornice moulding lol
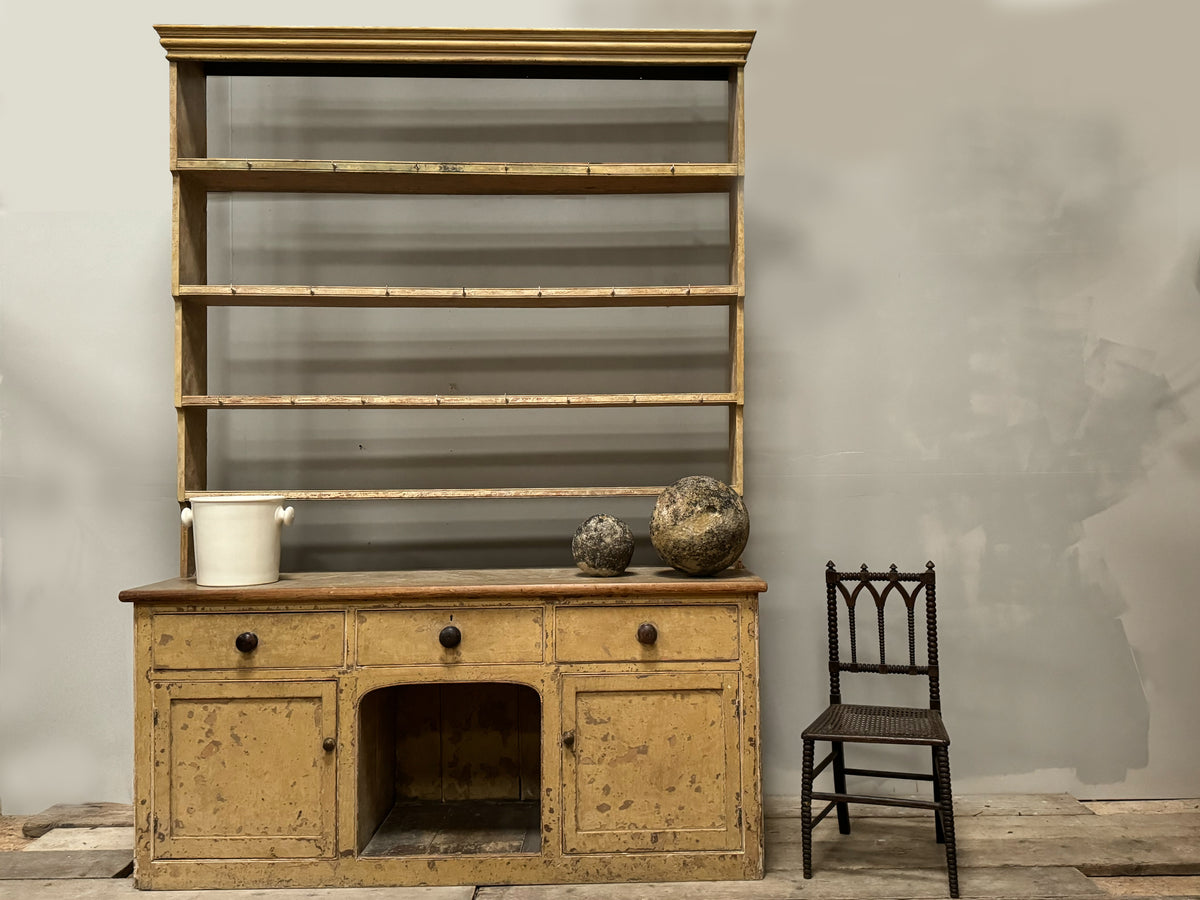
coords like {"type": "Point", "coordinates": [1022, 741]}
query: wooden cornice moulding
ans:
{"type": "Point", "coordinates": [453, 45]}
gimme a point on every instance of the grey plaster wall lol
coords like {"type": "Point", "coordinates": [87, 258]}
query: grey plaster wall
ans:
{"type": "Point", "coordinates": [973, 303]}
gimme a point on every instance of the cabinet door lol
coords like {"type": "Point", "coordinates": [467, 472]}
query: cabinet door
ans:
{"type": "Point", "coordinates": [241, 769]}
{"type": "Point", "coordinates": [651, 762]}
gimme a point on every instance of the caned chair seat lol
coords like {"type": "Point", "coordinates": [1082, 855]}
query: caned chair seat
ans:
{"type": "Point", "coordinates": [855, 723]}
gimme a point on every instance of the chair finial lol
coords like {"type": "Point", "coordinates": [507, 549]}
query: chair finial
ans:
{"type": "Point", "coordinates": [830, 566]}
{"type": "Point", "coordinates": [864, 569]}
{"type": "Point", "coordinates": [929, 565]}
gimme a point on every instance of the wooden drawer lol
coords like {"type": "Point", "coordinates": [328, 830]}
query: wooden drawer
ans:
{"type": "Point", "coordinates": [610, 633]}
{"type": "Point", "coordinates": [284, 640]}
{"type": "Point", "coordinates": [410, 637]}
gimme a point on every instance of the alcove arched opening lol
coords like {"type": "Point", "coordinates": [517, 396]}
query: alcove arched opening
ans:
{"type": "Point", "coordinates": [449, 769]}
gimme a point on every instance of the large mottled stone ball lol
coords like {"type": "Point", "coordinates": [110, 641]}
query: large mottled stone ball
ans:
{"type": "Point", "coordinates": [603, 545]}
{"type": "Point", "coordinates": [699, 525]}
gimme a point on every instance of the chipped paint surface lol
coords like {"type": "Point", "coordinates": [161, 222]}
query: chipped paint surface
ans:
{"type": "Point", "coordinates": [601, 633]}
{"type": "Point", "coordinates": [465, 766]}
{"type": "Point", "coordinates": [296, 640]}
{"type": "Point", "coordinates": [654, 762]}
{"type": "Point", "coordinates": [241, 770]}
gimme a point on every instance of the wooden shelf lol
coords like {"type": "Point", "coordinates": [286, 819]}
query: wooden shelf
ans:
{"type": "Point", "coordinates": [468, 297]}
{"type": "Point", "coordinates": [446, 493]}
{"type": "Point", "coordinates": [455, 401]}
{"type": "Point", "coordinates": [371, 177]}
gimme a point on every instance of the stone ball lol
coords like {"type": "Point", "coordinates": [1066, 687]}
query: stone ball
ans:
{"type": "Point", "coordinates": [603, 546]}
{"type": "Point", "coordinates": [699, 525]}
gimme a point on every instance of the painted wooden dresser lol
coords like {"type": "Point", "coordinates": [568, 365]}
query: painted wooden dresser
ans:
{"type": "Point", "coordinates": [452, 727]}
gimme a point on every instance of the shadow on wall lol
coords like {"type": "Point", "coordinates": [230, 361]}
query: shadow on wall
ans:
{"type": "Point", "coordinates": [966, 216]}
{"type": "Point", "coordinates": [1028, 210]}
{"type": "Point", "coordinates": [1012, 424]}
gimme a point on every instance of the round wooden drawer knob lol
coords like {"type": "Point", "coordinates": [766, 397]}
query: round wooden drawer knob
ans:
{"type": "Point", "coordinates": [647, 634]}
{"type": "Point", "coordinates": [450, 636]}
{"type": "Point", "coordinates": [330, 744]}
{"type": "Point", "coordinates": [246, 642]}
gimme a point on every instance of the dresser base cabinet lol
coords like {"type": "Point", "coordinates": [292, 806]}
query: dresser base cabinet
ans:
{"type": "Point", "coordinates": [465, 727]}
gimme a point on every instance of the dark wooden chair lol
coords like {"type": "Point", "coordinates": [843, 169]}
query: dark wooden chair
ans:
{"type": "Point", "coordinates": [846, 723]}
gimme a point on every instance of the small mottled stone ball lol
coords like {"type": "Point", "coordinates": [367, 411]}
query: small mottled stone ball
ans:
{"type": "Point", "coordinates": [699, 525]}
{"type": "Point", "coordinates": [603, 545]}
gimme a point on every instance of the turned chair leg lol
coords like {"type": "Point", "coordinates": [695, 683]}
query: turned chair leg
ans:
{"type": "Point", "coordinates": [839, 785]}
{"type": "Point", "coordinates": [942, 774]}
{"type": "Point", "coordinates": [937, 798]}
{"type": "Point", "coordinates": [806, 816]}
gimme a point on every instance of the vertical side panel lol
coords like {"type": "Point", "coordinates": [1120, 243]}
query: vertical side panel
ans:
{"type": "Point", "coordinates": [189, 115]}
{"type": "Point", "coordinates": [191, 377]}
{"type": "Point", "coordinates": [737, 151]}
{"type": "Point", "coordinates": [189, 247]}
{"type": "Point", "coordinates": [737, 123]}
{"type": "Point", "coordinates": [751, 789]}
{"type": "Point", "coordinates": [193, 468]}
{"type": "Point", "coordinates": [144, 720]}
{"type": "Point", "coordinates": [192, 437]}
{"type": "Point", "coordinates": [529, 749]}
{"type": "Point", "coordinates": [189, 265]}
{"type": "Point", "coordinates": [189, 254]}
{"type": "Point", "coordinates": [737, 276]}
{"type": "Point", "coordinates": [737, 428]}
{"type": "Point", "coordinates": [376, 764]}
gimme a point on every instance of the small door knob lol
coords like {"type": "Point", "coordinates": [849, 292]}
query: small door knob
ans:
{"type": "Point", "coordinates": [246, 642]}
{"type": "Point", "coordinates": [647, 634]}
{"type": "Point", "coordinates": [568, 739]}
{"type": "Point", "coordinates": [450, 636]}
{"type": "Point", "coordinates": [330, 744]}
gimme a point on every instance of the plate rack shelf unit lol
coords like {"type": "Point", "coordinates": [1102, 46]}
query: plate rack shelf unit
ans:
{"type": "Point", "coordinates": [196, 53]}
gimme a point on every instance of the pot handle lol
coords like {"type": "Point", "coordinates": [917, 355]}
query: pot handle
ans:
{"type": "Point", "coordinates": [185, 516]}
{"type": "Point", "coordinates": [284, 516]}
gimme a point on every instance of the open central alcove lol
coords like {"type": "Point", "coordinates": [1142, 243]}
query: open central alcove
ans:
{"type": "Point", "coordinates": [449, 769]}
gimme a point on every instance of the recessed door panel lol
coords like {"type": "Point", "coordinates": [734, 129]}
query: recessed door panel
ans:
{"type": "Point", "coordinates": [242, 770]}
{"type": "Point", "coordinates": [650, 762]}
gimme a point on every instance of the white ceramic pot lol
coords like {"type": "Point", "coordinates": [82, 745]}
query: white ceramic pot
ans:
{"type": "Point", "coordinates": [237, 538]}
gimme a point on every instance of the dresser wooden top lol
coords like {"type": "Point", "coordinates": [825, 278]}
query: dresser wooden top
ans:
{"type": "Point", "coordinates": [448, 583]}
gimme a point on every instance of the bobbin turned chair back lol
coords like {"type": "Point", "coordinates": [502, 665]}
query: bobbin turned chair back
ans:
{"type": "Point", "coordinates": [865, 592]}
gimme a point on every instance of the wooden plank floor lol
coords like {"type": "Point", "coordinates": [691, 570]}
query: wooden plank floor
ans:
{"type": "Point", "coordinates": [1011, 847]}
